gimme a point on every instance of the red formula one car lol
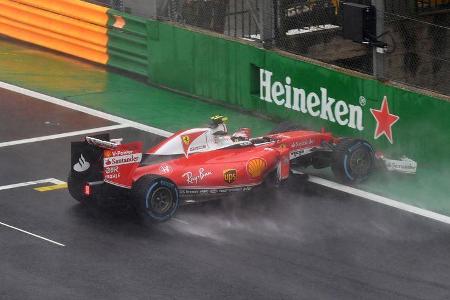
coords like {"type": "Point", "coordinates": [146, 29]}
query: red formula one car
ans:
{"type": "Point", "coordinates": [205, 163]}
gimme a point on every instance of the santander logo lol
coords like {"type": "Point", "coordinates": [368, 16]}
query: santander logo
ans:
{"type": "Point", "coordinates": [82, 165]}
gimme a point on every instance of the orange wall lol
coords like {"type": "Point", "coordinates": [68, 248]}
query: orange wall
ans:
{"type": "Point", "coordinates": [70, 26]}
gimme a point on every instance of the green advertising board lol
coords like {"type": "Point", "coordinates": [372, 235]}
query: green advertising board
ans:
{"type": "Point", "coordinates": [395, 120]}
{"type": "Point", "coordinates": [242, 75]}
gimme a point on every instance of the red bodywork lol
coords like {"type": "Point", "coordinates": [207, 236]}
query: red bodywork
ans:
{"type": "Point", "coordinates": [236, 167]}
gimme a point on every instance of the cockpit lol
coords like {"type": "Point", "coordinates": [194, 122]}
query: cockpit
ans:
{"type": "Point", "coordinates": [210, 138]}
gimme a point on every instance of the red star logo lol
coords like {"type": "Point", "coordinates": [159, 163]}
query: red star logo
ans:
{"type": "Point", "coordinates": [385, 120]}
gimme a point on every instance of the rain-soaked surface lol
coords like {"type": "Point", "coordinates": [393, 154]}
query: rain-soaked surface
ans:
{"type": "Point", "coordinates": [291, 243]}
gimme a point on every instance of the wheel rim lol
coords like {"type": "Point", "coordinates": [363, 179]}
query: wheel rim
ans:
{"type": "Point", "coordinates": [360, 162]}
{"type": "Point", "coordinates": [162, 201]}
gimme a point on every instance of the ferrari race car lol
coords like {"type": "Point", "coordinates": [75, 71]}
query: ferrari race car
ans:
{"type": "Point", "coordinates": [204, 163]}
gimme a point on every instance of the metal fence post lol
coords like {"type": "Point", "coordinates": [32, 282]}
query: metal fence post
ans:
{"type": "Point", "coordinates": [153, 8]}
{"type": "Point", "coordinates": [117, 4]}
{"type": "Point", "coordinates": [143, 8]}
{"type": "Point", "coordinates": [378, 53]}
{"type": "Point", "coordinates": [267, 23]}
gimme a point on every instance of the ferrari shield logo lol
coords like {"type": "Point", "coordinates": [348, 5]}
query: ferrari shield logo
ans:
{"type": "Point", "coordinates": [230, 175]}
{"type": "Point", "coordinates": [186, 139]}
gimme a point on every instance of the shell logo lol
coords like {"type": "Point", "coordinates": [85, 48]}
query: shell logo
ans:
{"type": "Point", "coordinates": [256, 166]}
{"type": "Point", "coordinates": [107, 153]}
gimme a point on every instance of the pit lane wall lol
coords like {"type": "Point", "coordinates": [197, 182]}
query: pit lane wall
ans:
{"type": "Point", "coordinates": [80, 29]}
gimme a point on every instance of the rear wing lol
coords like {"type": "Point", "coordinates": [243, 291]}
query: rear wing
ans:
{"type": "Point", "coordinates": [99, 158]}
{"type": "Point", "coordinates": [112, 144]}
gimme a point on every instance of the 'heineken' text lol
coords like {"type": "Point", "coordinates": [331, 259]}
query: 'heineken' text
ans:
{"type": "Point", "coordinates": [313, 104]}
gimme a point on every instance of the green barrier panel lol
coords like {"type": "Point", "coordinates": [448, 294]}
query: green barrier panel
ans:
{"type": "Point", "coordinates": [230, 71]}
{"type": "Point", "coordinates": [127, 43]}
{"type": "Point", "coordinates": [210, 67]}
{"type": "Point", "coordinates": [284, 87]}
{"type": "Point", "coordinates": [396, 121]}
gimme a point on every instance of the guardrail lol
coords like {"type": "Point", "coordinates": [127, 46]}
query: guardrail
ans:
{"type": "Point", "coordinates": [78, 28]}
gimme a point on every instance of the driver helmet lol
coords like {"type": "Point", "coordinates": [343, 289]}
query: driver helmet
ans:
{"type": "Point", "coordinates": [218, 126]}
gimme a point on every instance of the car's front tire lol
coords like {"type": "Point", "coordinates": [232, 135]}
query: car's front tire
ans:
{"type": "Point", "coordinates": [155, 197]}
{"type": "Point", "coordinates": [352, 160]}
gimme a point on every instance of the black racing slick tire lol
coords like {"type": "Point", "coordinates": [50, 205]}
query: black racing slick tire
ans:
{"type": "Point", "coordinates": [155, 197]}
{"type": "Point", "coordinates": [286, 127]}
{"type": "Point", "coordinates": [75, 187]}
{"type": "Point", "coordinates": [352, 160]}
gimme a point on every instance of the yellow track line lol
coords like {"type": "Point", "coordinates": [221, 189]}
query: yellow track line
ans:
{"type": "Point", "coordinates": [51, 187]}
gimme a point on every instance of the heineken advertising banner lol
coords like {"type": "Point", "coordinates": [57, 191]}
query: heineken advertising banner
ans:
{"type": "Point", "coordinates": [313, 104]}
{"type": "Point", "coordinates": [395, 120]}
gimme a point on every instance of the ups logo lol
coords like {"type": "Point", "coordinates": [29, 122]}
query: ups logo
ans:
{"type": "Point", "coordinates": [230, 175]}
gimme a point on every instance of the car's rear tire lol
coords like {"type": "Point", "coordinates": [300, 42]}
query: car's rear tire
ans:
{"type": "Point", "coordinates": [352, 160]}
{"type": "Point", "coordinates": [155, 197]}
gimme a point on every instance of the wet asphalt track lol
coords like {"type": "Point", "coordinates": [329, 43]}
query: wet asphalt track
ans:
{"type": "Point", "coordinates": [315, 245]}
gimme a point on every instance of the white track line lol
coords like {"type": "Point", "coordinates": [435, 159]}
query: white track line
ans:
{"type": "Point", "coordinates": [62, 135]}
{"type": "Point", "coordinates": [32, 234]}
{"type": "Point", "coordinates": [18, 185]}
{"type": "Point", "coordinates": [22, 184]}
{"type": "Point", "coordinates": [83, 109]}
{"type": "Point", "coordinates": [160, 132]}
{"type": "Point", "coordinates": [380, 199]}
